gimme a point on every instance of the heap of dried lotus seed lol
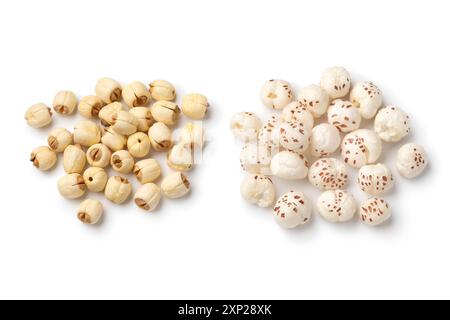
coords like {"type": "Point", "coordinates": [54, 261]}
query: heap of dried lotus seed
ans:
{"type": "Point", "coordinates": [323, 118]}
{"type": "Point", "coordinates": [122, 126]}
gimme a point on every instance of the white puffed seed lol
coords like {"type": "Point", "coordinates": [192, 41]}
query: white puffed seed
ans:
{"type": "Point", "coordinates": [391, 124]}
{"type": "Point", "coordinates": [86, 133]}
{"type": "Point", "coordinates": [71, 186]}
{"type": "Point", "coordinates": [98, 155]}
{"type": "Point", "coordinates": [375, 179]}
{"type": "Point", "coordinates": [336, 205]}
{"type": "Point", "coordinates": [95, 179]}
{"type": "Point", "coordinates": [180, 157]}
{"type": "Point", "coordinates": [148, 196]}
{"type": "Point", "coordinates": [344, 115]}
{"type": "Point", "coordinates": [269, 134]}
{"type": "Point", "coordinates": [325, 140]}
{"type": "Point", "coordinates": [294, 136]}
{"type": "Point", "coordinates": [245, 126]}
{"type": "Point", "coordinates": [162, 90]}
{"type": "Point", "coordinates": [43, 158]}
{"type": "Point", "coordinates": [292, 209]}
{"type": "Point", "coordinates": [166, 112]}
{"type": "Point", "coordinates": [124, 123]}
{"type": "Point", "coordinates": [315, 99]}
{"type": "Point", "coordinates": [74, 159]}
{"type": "Point", "coordinates": [175, 185]}
{"type": "Point", "coordinates": [328, 174]}
{"type": "Point", "coordinates": [258, 189]}
{"type": "Point", "coordinates": [276, 94]}
{"type": "Point", "coordinates": [59, 138]}
{"type": "Point", "coordinates": [367, 98]}
{"type": "Point", "coordinates": [144, 118]}
{"type": "Point", "coordinates": [90, 211]}
{"type": "Point", "coordinates": [295, 111]}
{"type": "Point", "coordinates": [107, 112]}
{"type": "Point", "coordinates": [38, 115]}
{"type": "Point", "coordinates": [147, 170]}
{"type": "Point", "coordinates": [411, 160]}
{"type": "Point", "coordinates": [289, 165]}
{"type": "Point", "coordinates": [160, 136]}
{"type": "Point", "coordinates": [194, 106]}
{"type": "Point", "coordinates": [255, 158]}
{"type": "Point", "coordinates": [109, 90]}
{"type": "Point", "coordinates": [192, 135]}
{"type": "Point", "coordinates": [117, 189]}
{"type": "Point", "coordinates": [138, 144]}
{"type": "Point", "coordinates": [336, 81]}
{"type": "Point", "coordinates": [361, 147]}
{"type": "Point", "coordinates": [374, 211]}
{"type": "Point", "coordinates": [136, 94]}
{"type": "Point", "coordinates": [65, 102]}
{"type": "Point", "coordinates": [122, 161]}
{"type": "Point", "coordinates": [90, 106]}
{"type": "Point", "coordinates": [113, 140]}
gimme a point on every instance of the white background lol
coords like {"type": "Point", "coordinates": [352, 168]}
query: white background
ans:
{"type": "Point", "coordinates": [212, 244]}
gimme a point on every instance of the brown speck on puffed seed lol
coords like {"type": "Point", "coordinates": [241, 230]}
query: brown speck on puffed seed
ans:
{"type": "Point", "coordinates": [141, 204]}
{"type": "Point", "coordinates": [84, 217]}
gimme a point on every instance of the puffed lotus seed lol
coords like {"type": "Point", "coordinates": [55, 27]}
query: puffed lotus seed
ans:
{"type": "Point", "coordinates": [43, 158]}
{"type": "Point", "coordinates": [375, 179]}
{"type": "Point", "coordinates": [367, 98]}
{"type": "Point", "coordinates": [148, 196]}
{"type": "Point", "coordinates": [113, 140]}
{"type": "Point", "coordinates": [194, 106]}
{"type": "Point", "coordinates": [259, 190]}
{"type": "Point", "coordinates": [192, 135]}
{"type": "Point", "coordinates": [336, 205]}
{"type": "Point", "coordinates": [392, 124]}
{"type": "Point", "coordinates": [74, 159]}
{"type": "Point", "coordinates": [295, 111]}
{"type": "Point", "coordinates": [138, 144]}
{"type": "Point", "coordinates": [162, 90]}
{"type": "Point", "coordinates": [72, 186]}
{"type": "Point", "coordinates": [124, 123]}
{"type": "Point", "coordinates": [86, 133]}
{"type": "Point", "coordinates": [122, 161]}
{"type": "Point", "coordinates": [315, 99]}
{"type": "Point", "coordinates": [328, 174]}
{"type": "Point", "coordinates": [245, 126]}
{"type": "Point", "coordinates": [65, 102]}
{"type": "Point", "coordinates": [411, 160]}
{"type": "Point", "coordinates": [144, 118]}
{"type": "Point", "coordinates": [276, 94]}
{"type": "Point", "coordinates": [325, 140]}
{"type": "Point", "coordinates": [269, 134]}
{"type": "Point", "coordinates": [289, 165]}
{"type": "Point", "coordinates": [147, 170]}
{"type": "Point", "coordinates": [294, 136]}
{"type": "Point", "coordinates": [98, 155]}
{"type": "Point", "coordinates": [255, 158]}
{"type": "Point", "coordinates": [166, 112]}
{"type": "Point", "coordinates": [136, 94]}
{"type": "Point", "coordinates": [90, 106]}
{"type": "Point", "coordinates": [292, 209]}
{"type": "Point", "coordinates": [336, 81]}
{"type": "Point", "coordinates": [374, 211]}
{"type": "Point", "coordinates": [109, 90]}
{"type": "Point", "coordinates": [344, 116]}
{"type": "Point", "coordinates": [160, 136]}
{"type": "Point", "coordinates": [95, 179]}
{"type": "Point", "coordinates": [90, 211]}
{"type": "Point", "coordinates": [117, 189]}
{"type": "Point", "coordinates": [175, 185]}
{"type": "Point", "coordinates": [59, 138]}
{"type": "Point", "coordinates": [180, 157]}
{"type": "Point", "coordinates": [38, 115]}
{"type": "Point", "coordinates": [361, 147]}
{"type": "Point", "coordinates": [107, 112]}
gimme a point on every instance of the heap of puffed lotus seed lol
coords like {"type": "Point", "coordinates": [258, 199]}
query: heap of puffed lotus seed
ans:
{"type": "Point", "coordinates": [280, 147]}
{"type": "Point", "coordinates": [125, 135]}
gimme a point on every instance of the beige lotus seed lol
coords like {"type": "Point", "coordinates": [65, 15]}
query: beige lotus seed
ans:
{"type": "Point", "coordinates": [194, 106]}
{"type": "Point", "coordinates": [109, 90]}
{"type": "Point", "coordinates": [107, 112]}
{"type": "Point", "coordinates": [144, 118]}
{"type": "Point", "coordinates": [38, 115]}
{"type": "Point", "coordinates": [166, 112]}
{"type": "Point", "coordinates": [136, 94]}
{"type": "Point", "coordinates": [117, 189]}
{"type": "Point", "coordinates": [65, 102]}
{"type": "Point", "coordinates": [124, 123]}
{"type": "Point", "coordinates": [98, 155]}
{"type": "Point", "coordinates": [180, 157]}
{"type": "Point", "coordinates": [90, 211]}
{"type": "Point", "coordinates": [175, 185]}
{"type": "Point", "coordinates": [160, 136]}
{"type": "Point", "coordinates": [71, 186]}
{"type": "Point", "coordinates": [59, 138]}
{"type": "Point", "coordinates": [147, 170]}
{"type": "Point", "coordinates": [148, 196]}
{"type": "Point", "coordinates": [113, 140]}
{"type": "Point", "coordinates": [74, 159]}
{"type": "Point", "coordinates": [162, 90]}
{"type": "Point", "coordinates": [122, 161]}
{"type": "Point", "coordinates": [95, 179]}
{"type": "Point", "coordinates": [86, 133]}
{"type": "Point", "coordinates": [138, 144]}
{"type": "Point", "coordinates": [43, 158]}
{"type": "Point", "coordinates": [192, 135]}
{"type": "Point", "coordinates": [90, 106]}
